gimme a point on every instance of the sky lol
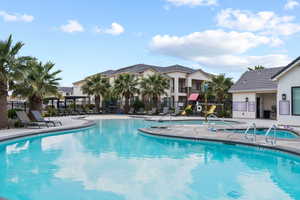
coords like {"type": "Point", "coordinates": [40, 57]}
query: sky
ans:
{"type": "Point", "coordinates": [91, 36]}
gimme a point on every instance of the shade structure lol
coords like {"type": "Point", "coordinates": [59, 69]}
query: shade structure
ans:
{"type": "Point", "coordinates": [193, 97]}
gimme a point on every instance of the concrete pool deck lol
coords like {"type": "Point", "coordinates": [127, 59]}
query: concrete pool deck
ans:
{"type": "Point", "coordinates": [194, 132]}
{"type": "Point", "coordinates": [202, 132]}
{"type": "Point", "coordinates": [68, 123]}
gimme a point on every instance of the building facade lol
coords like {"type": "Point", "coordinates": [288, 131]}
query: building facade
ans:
{"type": "Point", "coordinates": [272, 93]}
{"type": "Point", "coordinates": [183, 80]}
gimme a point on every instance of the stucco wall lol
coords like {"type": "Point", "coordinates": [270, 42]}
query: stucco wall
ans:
{"type": "Point", "coordinates": [285, 83]}
{"type": "Point", "coordinates": [77, 89]}
{"type": "Point", "coordinates": [241, 97]}
{"type": "Point", "coordinates": [197, 76]}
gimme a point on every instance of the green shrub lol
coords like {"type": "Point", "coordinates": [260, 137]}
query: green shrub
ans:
{"type": "Point", "coordinates": [18, 124]}
{"type": "Point", "coordinates": [137, 104]}
{"type": "Point", "coordinates": [50, 111]}
{"type": "Point", "coordinates": [90, 106]}
{"type": "Point", "coordinates": [11, 113]}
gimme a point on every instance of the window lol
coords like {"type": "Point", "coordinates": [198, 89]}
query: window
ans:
{"type": "Point", "coordinates": [296, 100]}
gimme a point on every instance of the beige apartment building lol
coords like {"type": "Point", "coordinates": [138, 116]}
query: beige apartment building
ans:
{"type": "Point", "coordinates": [184, 81]}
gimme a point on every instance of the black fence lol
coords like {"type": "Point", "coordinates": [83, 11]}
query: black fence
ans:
{"type": "Point", "coordinates": [223, 109]}
{"type": "Point", "coordinates": [19, 105]}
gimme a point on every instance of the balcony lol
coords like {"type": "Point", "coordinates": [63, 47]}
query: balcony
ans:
{"type": "Point", "coordinates": [182, 90]}
{"type": "Point", "coordinates": [193, 90]}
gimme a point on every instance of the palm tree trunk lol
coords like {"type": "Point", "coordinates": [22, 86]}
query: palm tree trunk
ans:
{"type": "Point", "coordinates": [126, 107]}
{"type": "Point", "coordinates": [36, 103]}
{"type": "Point", "coordinates": [97, 103]}
{"type": "Point", "coordinates": [3, 105]}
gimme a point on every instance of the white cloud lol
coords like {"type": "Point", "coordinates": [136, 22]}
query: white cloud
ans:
{"type": "Point", "coordinates": [16, 17]}
{"type": "Point", "coordinates": [238, 62]}
{"type": "Point", "coordinates": [193, 2]}
{"type": "Point", "coordinates": [72, 26]}
{"type": "Point", "coordinates": [209, 42]}
{"type": "Point", "coordinates": [115, 29]}
{"type": "Point", "coordinates": [291, 4]}
{"type": "Point", "coordinates": [218, 48]}
{"type": "Point", "coordinates": [265, 22]}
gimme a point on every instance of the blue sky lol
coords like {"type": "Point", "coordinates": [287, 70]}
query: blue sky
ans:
{"type": "Point", "coordinates": [219, 36]}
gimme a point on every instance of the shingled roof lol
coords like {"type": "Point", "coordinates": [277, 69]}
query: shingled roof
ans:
{"type": "Point", "coordinates": [259, 80]}
{"type": "Point", "coordinates": [139, 68]}
{"type": "Point", "coordinates": [143, 67]}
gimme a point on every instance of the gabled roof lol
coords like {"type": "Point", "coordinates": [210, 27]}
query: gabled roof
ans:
{"type": "Point", "coordinates": [285, 69]}
{"type": "Point", "coordinates": [176, 68]}
{"type": "Point", "coordinates": [259, 80]}
{"type": "Point", "coordinates": [135, 69]}
{"type": "Point", "coordinates": [139, 68]}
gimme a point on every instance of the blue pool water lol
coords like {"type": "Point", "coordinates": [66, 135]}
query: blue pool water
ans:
{"type": "Point", "coordinates": [195, 122]}
{"type": "Point", "coordinates": [113, 162]}
{"type": "Point", "coordinates": [279, 133]}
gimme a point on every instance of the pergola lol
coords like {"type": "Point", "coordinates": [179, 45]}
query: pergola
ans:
{"type": "Point", "coordinates": [66, 99]}
{"type": "Point", "coordinates": [74, 98]}
{"type": "Point", "coordinates": [53, 99]}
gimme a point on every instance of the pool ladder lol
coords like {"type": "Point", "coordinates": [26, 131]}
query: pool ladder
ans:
{"type": "Point", "coordinates": [251, 136]}
{"type": "Point", "coordinates": [269, 137]}
{"type": "Point", "coordinates": [212, 126]}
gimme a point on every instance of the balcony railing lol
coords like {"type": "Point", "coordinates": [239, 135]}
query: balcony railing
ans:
{"type": "Point", "coordinates": [195, 91]}
{"type": "Point", "coordinates": [182, 90]}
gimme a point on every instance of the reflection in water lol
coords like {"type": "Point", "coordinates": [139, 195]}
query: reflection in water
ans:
{"type": "Point", "coordinates": [111, 161]}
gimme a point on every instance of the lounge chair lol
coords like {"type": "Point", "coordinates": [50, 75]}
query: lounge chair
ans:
{"type": "Point", "coordinates": [24, 119]}
{"type": "Point", "coordinates": [141, 111]}
{"type": "Point", "coordinates": [152, 112]}
{"type": "Point", "coordinates": [165, 111]}
{"type": "Point", "coordinates": [211, 110]}
{"type": "Point", "coordinates": [183, 113]}
{"type": "Point", "coordinates": [131, 111]}
{"type": "Point", "coordinates": [177, 112]}
{"type": "Point", "coordinates": [39, 118]}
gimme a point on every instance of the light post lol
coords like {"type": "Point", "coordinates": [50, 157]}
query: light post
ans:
{"type": "Point", "coordinates": [204, 90]}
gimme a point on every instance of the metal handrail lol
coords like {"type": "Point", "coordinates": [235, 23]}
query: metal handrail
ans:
{"type": "Point", "coordinates": [271, 139]}
{"type": "Point", "coordinates": [210, 125]}
{"type": "Point", "coordinates": [247, 134]}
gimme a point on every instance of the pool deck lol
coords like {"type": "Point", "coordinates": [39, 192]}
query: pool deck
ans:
{"type": "Point", "coordinates": [202, 132]}
{"type": "Point", "coordinates": [192, 132]}
{"type": "Point", "coordinates": [68, 123]}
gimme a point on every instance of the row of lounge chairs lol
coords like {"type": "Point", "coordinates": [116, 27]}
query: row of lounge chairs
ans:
{"type": "Point", "coordinates": [38, 121]}
{"type": "Point", "coordinates": [67, 112]}
{"type": "Point", "coordinates": [153, 111]}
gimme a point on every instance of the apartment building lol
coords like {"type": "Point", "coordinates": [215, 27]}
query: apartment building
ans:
{"type": "Point", "coordinates": [184, 81]}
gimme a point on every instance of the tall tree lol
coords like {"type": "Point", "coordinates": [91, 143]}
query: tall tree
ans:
{"type": "Point", "coordinates": [98, 86]}
{"type": "Point", "coordinates": [11, 67]}
{"type": "Point", "coordinates": [154, 87]}
{"type": "Point", "coordinates": [39, 81]}
{"type": "Point", "coordinates": [219, 87]}
{"type": "Point", "coordinates": [126, 85]}
{"type": "Point", "coordinates": [256, 68]}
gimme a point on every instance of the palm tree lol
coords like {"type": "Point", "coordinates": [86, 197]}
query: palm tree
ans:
{"type": "Point", "coordinates": [256, 68]}
{"type": "Point", "coordinates": [98, 86]}
{"type": "Point", "coordinates": [154, 86]}
{"type": "Point", "coordinates": [126, 85]}
{"type": "Point", "coordinates": [11, 68]}
{"type": "Point", "coordinates": [219, 87]}
{"type": "Point", "coordinates": [39, 80]}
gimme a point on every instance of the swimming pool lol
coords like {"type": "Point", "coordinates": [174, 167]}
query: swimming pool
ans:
{"type": "Point", "coordinates": [111, 161]}
{"type": "Point", "coordinates": [279, 133]}
{"type": "Point", "coordinates": [193, 122]}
